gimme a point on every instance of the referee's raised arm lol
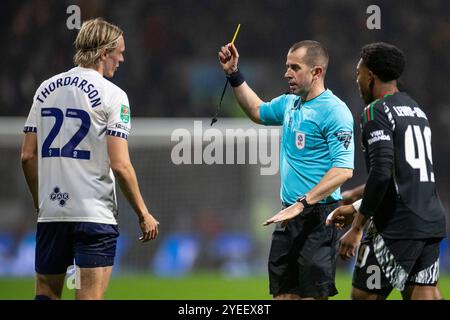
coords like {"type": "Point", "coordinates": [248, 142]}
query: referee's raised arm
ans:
{"type": "Point", "coordinates": [247, 98]}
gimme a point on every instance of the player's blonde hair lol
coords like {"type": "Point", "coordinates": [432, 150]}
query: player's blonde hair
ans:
{"type": "Point", "coordinates": [95, 36]}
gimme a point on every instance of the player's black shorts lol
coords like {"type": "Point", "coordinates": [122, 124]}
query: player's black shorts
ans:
{"type": "Point", "coordinates": [84, 244]}
{"type": "Point", "coordinates": [302, 256]}
{"type": "Point", "coordinates": [384, 264]}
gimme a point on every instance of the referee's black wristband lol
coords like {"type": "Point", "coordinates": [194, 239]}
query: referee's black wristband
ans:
{"type": "Point", "coordinates": [303, 201]}
{"type": "Point", "coordinates": [236, 78]}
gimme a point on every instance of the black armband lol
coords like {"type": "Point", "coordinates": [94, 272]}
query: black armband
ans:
{"type": "Point", "coordinates": [236, 78]}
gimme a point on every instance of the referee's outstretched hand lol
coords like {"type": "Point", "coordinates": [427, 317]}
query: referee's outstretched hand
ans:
{"type": "Point", "coordinates": [228, 58]}
{"type": "Point", "coordinates": [286, 214]}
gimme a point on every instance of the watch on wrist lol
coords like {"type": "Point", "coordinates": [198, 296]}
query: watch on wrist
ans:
{"type": "Point", "coordinates": [303, 201]}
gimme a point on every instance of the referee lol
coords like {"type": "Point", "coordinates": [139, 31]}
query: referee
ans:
{"type": "Point", "coordinates": [316, 159]}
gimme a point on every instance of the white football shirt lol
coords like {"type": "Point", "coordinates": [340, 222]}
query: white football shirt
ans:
{"type": "Point", "coordinates": [72, 113]}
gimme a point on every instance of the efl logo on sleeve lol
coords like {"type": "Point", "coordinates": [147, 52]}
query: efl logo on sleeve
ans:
{"type": "Point", "coordinates": [345, 137]}
{"type": "Point", "coordinates": [125, 113]}
{"type": "Point", "coordinates": [300, 139]}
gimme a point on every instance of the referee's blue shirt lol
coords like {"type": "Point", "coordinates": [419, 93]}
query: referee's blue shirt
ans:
{"type": "Point", "coordinates": [317, 135]}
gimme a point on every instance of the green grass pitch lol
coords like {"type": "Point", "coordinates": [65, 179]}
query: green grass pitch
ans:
{"type": "Point", "coordinates": [194, 287]}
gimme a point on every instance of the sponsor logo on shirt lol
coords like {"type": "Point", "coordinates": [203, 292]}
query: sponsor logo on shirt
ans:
{"type": "Point", "coordinates": [378, 135]}
{"type": "Point", "coordinates": [300, 139]}
{"type": "Point", "coordinates": [123, 127]}
{"type": "Point", "coordinates": [345, 137]}
{"type": "Point", "coordinates": [125, 113]}
{"type": "Point", "coordinates": [59, 196]}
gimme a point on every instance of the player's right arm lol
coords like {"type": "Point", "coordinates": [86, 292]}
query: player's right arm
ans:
{"type": "Point", "coordinates": [29, 161]}
{"type": "Point", "coordinates": [29, 153]}
{"type": "Point", "coordinates": [126, 176]}
{"type": "Point", "coordinates": [245, 96]}
{"type": "Point", "coordinates": [378, 132]}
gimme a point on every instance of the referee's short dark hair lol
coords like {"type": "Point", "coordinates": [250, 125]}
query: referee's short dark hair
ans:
{"type": "Point", "coordinates": [383, 59]}
{"type": "Point", "coordinates": [316, 53]}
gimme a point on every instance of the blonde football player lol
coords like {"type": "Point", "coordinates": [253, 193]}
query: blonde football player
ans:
{"type": "Point", "coordinates": [75, 145]}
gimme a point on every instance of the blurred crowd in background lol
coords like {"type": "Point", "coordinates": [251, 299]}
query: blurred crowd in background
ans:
{"type": "Point", "coordinates": [171, 67]}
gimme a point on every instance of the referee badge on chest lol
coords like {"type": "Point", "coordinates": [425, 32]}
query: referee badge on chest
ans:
{"type": "Point", "coordinates": [300, 139]}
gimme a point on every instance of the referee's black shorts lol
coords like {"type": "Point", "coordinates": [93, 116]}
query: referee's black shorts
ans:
{"type": "Point", "coordinates": [302, 256]}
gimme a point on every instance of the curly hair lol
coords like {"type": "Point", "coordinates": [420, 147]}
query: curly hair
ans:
{"type": "Point", "coordinates": [384, 59]}
{"type": "Point", "coordinates": [94, 37]}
